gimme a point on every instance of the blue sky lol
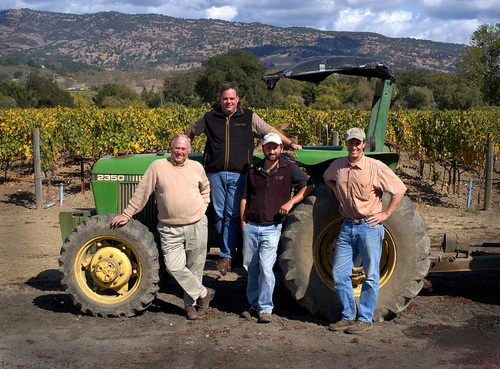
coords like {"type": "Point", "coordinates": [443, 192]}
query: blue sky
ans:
{"type": "Point", "coordinates": [438, 20]}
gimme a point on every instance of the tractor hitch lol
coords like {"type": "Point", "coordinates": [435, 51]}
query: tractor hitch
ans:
{"type": "Point", "coordinates": [456, 254]}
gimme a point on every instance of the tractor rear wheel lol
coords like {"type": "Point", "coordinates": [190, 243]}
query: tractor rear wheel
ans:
{"type": "Point", "coordinates": [308, 243]}
{"type": "Point", "coordinates": [109, 271]}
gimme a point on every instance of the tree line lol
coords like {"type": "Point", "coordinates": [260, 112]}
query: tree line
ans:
{"type": "Point", "coordinates": [475, 83]}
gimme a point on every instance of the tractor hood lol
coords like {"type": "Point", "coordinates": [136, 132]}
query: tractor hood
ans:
{"type": "Point", "coordinates": [317, 68]}
{"type": "Point", "coordinates": [131, 164]}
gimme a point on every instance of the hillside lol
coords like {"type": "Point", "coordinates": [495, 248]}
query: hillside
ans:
{"type": "Point", "coordinates": [112, 40]}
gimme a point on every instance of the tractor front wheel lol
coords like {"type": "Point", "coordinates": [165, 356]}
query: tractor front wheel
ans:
{"type": "Point", "coordinates": [110, 271]}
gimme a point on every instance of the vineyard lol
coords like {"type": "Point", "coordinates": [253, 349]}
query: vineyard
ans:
{"type": "Point", "coordinates": [428, 136]}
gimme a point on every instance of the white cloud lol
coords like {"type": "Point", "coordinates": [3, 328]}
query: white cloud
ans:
{"type": "Point", "coordinates": [438, 20]}
{"type": "Point", "coordinates": [227, 13]}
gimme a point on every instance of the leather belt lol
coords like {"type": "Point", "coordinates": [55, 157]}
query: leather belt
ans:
{"type": "Point", "coordinates": [354, 220]}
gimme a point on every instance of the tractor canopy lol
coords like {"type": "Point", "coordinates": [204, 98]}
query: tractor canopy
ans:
{"type": "Point", "coordinates": [316, 159]}
{"type": "Point", "coordinates": [317, 68]}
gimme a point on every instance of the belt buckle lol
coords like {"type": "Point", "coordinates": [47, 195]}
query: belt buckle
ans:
{"type": "Point", "coordinates": [355, 220]}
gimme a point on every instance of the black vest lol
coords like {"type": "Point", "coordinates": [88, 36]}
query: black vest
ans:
{"type": "Point", "coordinates": [266, 194]}
{"type": "Point", "coordinates": [230, 141]}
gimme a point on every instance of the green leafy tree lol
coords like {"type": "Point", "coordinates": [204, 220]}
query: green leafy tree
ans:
{"type": "Point", "coordinates": [420, 98]}
{"type": "Point", "coordinates": [113, 95]}
{"type": "Point", "coordinates": [34, 63]}
{"type": "Point", "coordinates": [438, 82]}
{"type": "Point", "coordinates": [18, 92]}
{"type": "Point", "coordinates": [83, 99]}
{"type": "Point", "coordinates": [48, 94]}
{"type": "Point", "coordinates": [309, 94]}
{"type": "Point", "coordinates": [479, 65]}
{"type": "Point", "coordinates": [151, 98]}
{"type": "Point", "coordinates": [288, 92]}
{"type": "Point", "coordinates": [459, 97]}
{"type": "Point", "coordinates": [7, 102]}
{"type": "Point", "coordinates": [240, 67]}
{"type": "Point", "coordinates": [342, 92]}
{"type": "Point", "coordinates": [179, 89]}
{"type": "Point", "coordinates": [355, 92]}
{"type": "Point", "coordinates": [326, 99]}
{"type": "Point", "coordinates": [405, 79]}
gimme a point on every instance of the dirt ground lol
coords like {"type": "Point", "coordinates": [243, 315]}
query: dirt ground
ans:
{"type": "Point", "coordinates": [453, 323]}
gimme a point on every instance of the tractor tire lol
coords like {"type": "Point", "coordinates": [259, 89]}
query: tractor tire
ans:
{"type": "Point", "coordinates": [308, 247]}
{"type": "Point", "coordinates": [110, 272]}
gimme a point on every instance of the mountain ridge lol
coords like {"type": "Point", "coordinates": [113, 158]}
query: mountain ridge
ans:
{"type": "Point", "coordinates": [114, 40]}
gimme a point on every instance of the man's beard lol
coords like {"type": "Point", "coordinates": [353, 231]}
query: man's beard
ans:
{"type": "Point", "coordinates": [268, 157]}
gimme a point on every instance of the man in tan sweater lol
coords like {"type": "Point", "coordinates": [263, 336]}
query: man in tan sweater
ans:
{"type": "Point", "coordinates": [182, 196]}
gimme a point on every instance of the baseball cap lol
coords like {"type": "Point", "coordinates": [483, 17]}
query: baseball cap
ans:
{"type": "Point", "coordinates": [355, 133]}
{"type": "Point", "coordinates": [272, 137]}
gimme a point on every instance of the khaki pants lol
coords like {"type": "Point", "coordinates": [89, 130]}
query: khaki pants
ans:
{"type": "Point", "coordinates": [185, 251]}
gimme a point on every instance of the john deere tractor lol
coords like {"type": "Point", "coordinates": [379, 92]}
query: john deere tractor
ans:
{"type": "Point", "coordinates": [116, 271]}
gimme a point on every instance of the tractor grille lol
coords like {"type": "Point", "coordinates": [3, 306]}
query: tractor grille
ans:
{"type": "Point", "coordinates": [147, 216]}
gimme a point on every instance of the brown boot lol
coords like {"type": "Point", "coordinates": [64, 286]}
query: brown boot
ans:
{"type": "Point", "coordinates": [224, 265]}
{"type": "Point", "coordinates": [341, 325]}
{"type": "Point", "coordinates": [191, 313]}
{"type": "Point", "coordinates": [359, 327]}
{"type": "Point", "coordinates": [264, 318]}
{"type": "Point", "coordinates": [204, 302]}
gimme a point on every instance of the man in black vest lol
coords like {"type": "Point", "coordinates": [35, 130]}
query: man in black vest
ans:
{"type": "Point", "coordinates": [267, 199]}
{"type": "Point", "coordinates": [228, 155]}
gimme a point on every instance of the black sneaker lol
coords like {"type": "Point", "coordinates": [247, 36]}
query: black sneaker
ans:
{"type": "Point", "coordinates": [249, 314]}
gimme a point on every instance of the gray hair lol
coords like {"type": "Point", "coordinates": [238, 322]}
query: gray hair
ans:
{"type": "Point", "coordinates": [176, 137]}
{"type": "Point", "coordinates": [228, 86]}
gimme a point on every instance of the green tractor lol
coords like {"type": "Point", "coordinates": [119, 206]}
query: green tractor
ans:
{"type": "Point", "coordinates": [116, 271]}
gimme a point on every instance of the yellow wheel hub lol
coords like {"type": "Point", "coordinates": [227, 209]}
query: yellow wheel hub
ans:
{"type": "Point", "coordinates": [324, 253]}
{"type": "Point", "coordinates": [110, 268]}
{"type": "Point", "coordinates": [107, 269]}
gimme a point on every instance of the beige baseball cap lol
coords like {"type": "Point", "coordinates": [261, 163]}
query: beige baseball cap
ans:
{"type": "Point", "coordinates": [272, 137]}
{"type": "Point", "coordinates": [355, 133]}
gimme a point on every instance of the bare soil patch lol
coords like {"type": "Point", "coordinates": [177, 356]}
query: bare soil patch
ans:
{"type": "Point", "coordinates": [453, 323]}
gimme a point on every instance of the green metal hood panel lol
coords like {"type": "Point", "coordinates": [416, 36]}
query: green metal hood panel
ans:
{"type": "Point", "coordinates": [137, 164]}
{"type": "Point", "coordinates": [132, 164]}
{"type": "Point", "coordinates": [111, 173]}
{"type": "Point", "coordinates": [312, 155]}
{"type": "Point", "coordinates": [317, 159]}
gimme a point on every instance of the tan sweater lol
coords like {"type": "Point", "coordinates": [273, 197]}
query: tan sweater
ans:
{"type": "Point", "coordinates": [182, 192]}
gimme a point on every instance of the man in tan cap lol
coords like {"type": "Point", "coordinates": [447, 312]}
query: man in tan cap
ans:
{"type": "Point", "coordinates": [358, 183]}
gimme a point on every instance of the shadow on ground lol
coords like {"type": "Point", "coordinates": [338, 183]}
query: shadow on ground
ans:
{"type": "Point", "coordinates": [479, 286]}
{"type": "Point", "coordinates": [25, 199]}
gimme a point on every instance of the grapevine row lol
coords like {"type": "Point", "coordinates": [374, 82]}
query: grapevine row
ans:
{"type": "Point", "coordinates": [91, 132]}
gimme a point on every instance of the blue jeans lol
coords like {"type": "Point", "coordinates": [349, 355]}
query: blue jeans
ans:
{"type": "Point", "coordinates": [366, 240]}
{"type": "Point", "coordinates": [260, 246]}
{"type": "Point", "coordinates": [226, 189]}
